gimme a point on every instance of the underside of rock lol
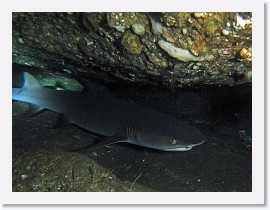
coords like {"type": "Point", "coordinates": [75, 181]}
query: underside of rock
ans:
{"type": "Point", "coordinates": [160, 49]}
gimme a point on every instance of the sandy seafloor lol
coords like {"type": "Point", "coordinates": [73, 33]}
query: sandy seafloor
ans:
{"type": "Point", "coordinates": [47, 158]}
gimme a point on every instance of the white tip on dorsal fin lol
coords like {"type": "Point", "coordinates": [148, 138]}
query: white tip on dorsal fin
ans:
{"type": "Point", "coordinates": [30, 81]}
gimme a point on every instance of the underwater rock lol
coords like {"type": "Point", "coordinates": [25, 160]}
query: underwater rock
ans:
{"type": "Point", "coordinates": [200, 14]}
{"type": "Point", "coordinates": [225, 32]}
{"type": "Point", "coordinates": [116, 45]}
{"type": "Point", "coordinates": [241, 23]}
{"type": "Point", "coordinates": [178, 53]}
{"type": "Point", "coordinates": [157, 28]}
{"type": "Point", "coordinates": [138, 29]}
{"type": "Point", "coordinates": [61, 171]}
{"type": "Point", "coordinates": [131, 43]}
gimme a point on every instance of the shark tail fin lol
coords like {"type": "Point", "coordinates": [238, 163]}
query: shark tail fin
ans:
{"type": "Point", "coordinates": [30, 82]}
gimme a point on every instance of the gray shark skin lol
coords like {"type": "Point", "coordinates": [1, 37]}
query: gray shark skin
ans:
{"type": "Point", "coordinates": [115, 119]}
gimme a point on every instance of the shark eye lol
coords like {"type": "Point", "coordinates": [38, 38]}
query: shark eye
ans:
{"type": "Point", "coordinates": [173, 141]}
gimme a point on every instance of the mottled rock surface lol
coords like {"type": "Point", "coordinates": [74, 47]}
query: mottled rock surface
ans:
{"type": "Point", "coordinates": [126, 46]}
{"type": "Point", "coordinates": [61, 171]}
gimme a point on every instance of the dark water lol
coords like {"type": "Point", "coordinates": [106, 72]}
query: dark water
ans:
{"type": "Point", "coordinates": [222, 163]}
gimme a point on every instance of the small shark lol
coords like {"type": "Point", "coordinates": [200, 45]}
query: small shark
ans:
{"type": "Point", "coordinates": [115, 119]}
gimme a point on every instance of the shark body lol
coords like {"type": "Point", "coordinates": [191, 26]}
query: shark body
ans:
{"type": "Point", "coordinates": [115, 119]}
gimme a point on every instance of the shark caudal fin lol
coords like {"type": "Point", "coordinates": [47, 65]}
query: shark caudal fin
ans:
{"type": "Point", "coordinates": [30, 82]}
{"type": "Point", "coordinates": [21, 94]}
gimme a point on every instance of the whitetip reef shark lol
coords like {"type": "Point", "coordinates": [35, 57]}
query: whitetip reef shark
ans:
{"type": "Point", "coordinates": [116, 119]}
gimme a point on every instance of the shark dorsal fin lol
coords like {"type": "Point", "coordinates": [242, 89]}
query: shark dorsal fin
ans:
{"type": "Point", "coordinates": [93, 87]}
{"type": "Point", "coordinates": [30, 82]}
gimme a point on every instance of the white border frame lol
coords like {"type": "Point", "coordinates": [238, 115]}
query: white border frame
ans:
{"type": "Point", "coordinates": [254, 197]}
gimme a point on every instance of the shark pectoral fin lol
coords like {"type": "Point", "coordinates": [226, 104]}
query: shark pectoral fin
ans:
{"type": "Point", "coordinates": [103, 141]}
{"type": "Point", "coordinates": [62, 121]}
{"type": "Point", "coordinates": [34, 109]}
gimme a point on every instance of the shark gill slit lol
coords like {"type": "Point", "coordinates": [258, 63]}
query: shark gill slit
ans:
{"type": "Point", "coordinates": [131, 133]}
